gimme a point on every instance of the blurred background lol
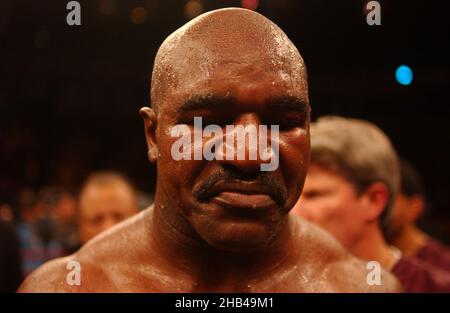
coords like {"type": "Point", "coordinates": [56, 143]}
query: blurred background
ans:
{"type": "Point", "coordinates": [69, 95]}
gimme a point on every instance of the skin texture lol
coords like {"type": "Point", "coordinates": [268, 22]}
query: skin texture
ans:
{"type": "Point", "coordinates": [220, 225]}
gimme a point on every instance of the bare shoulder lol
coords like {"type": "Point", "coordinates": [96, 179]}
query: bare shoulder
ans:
{"type": "Point", "coordinates": [50, 277]}
{"type": "Point", "coordinates": [97, 264]}
{"type": "Point", "coordinates": [336, 270]}
{"type": "Point", "coordinates": [354, 275]}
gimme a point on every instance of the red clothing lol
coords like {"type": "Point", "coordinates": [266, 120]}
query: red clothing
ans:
{"type": "Point", "coordinates": [416, 276]}
{"type": "Point", "coordinates": [435, 254]}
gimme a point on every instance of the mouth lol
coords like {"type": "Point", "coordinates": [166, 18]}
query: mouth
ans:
{"type": "Point", "coordinates": [241, 195]}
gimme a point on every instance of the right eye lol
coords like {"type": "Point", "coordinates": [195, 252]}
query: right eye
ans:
{"type": "Point", "coordinates": [287, 120]}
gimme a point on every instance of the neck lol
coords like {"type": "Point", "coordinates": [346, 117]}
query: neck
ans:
{"type": "Point", "coordinates": [206, 267]}
{"type": "Point", "coordinates": [410, 240]}
{"type": "Point", "coordinates": [371, 246]}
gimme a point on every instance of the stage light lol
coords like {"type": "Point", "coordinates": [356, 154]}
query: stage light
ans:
{"type": "Point", "coordinates": [404, 75]}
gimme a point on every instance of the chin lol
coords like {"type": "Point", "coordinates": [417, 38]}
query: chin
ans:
{"type": "Point", "coordinates": [239, 237]}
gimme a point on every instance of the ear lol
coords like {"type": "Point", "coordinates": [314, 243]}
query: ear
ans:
{"type": "Point", "coordinates": [417, 206]}
{"type": "Point", "coordinates": [150, 123]}
{"type": "Point", "coordinates": [375, 199]}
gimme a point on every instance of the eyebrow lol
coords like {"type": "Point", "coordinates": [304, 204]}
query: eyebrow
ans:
{"type": "Point", "coordinates": [289, 103]}
{"type": "Point", "coordinates": [199, 102]}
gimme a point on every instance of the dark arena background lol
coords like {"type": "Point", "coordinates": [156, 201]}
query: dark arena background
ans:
{"type": "Point", "coordinates": [70, 95]}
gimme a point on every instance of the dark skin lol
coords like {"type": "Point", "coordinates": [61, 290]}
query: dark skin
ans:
{"type": "Point", "coordinates": [220, 225]}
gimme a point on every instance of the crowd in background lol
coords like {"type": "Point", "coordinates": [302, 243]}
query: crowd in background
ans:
{"type": "Point", "coordinates": [54, 222]}
{"type": "Point", "coordinates": [355, 189]}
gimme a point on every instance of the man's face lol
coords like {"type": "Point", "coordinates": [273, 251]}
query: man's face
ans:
{"type": "Point", "coordinates": [104, 206]}
{"type": "Point", "coordinates": [232, 204]}
{"type": "Point", "coordinates": [400, 217]}
{"type": "Point", "coordinates": [65, 210]}
{"type": "Point", "coordinates": [406, 211]}
{"type": "Point", "coordinates": [330, 201]}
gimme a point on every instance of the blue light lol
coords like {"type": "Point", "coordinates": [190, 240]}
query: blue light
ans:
{"type": "Point", "coordinates": [404, 75]}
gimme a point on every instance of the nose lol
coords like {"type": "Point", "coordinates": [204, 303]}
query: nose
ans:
{"type": "Point", "coordinates": [247, 144]}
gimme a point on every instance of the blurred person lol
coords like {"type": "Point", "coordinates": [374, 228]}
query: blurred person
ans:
{"type": "Point", "coordinates": [106, 199]}
{"type": "Point", "coordinates": [64, 216]}
{"type": "Point", "coordinates": [404, 233]}
{"type": "Point", "coordinates": [26, 198]}
{"type": "Point", "coordinates": [10, 261]}
{"type": "Point", "coordinates": [222, 224]}
{"type": "Point", "coordinates": [6, 213]}
{"type": "Point", "coordinates": [349, 191]}
{"type": "Point", "coordinates": [36, 229]}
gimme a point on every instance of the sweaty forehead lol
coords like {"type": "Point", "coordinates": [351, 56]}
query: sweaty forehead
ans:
{"type": "Point", "coordinates": [225, 45]}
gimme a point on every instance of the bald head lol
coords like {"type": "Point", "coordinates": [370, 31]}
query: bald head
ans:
{"type": "Point", "coordinates": [233, 42]}
{"type": "Point", "coordinates": [229, 67]}
{"type": "Point", "coordinates": [105, 199]}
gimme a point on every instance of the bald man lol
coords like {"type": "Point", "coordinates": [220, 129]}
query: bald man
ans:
{"type": "Point", "coordinates": [220, 224]}
{"type": "Point", "coordinates": [106, 199]}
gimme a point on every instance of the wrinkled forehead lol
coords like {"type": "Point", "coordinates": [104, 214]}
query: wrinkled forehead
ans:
{"type": "Point", "coordinates": [223, 57]}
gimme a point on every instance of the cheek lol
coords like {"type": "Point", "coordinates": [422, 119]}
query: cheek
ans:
{"type": "Point", "coordinates": [402, 210]}
{"type": "Point", "coordinates": [395, 213]}
{"type": "Point", "coordinates": [177, 177]}
{"type": "Point", "coordinates": [294, 160]}
{"type": "Point", "coordinates": [325, 211]}
{"type": "Point", "coordinates": [320, 210]}
{"type": "Point", "coordinates": [348, 209]}
{"type": "Point", "coordinates": [399, 215]}
{"type": "Point", "coordinates": [175, 172]}
{"type": "Point", "coordinates": [335, 209]}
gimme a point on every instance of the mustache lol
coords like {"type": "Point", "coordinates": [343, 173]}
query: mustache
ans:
{"type": "Point", "coordinates": [229, 174]}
